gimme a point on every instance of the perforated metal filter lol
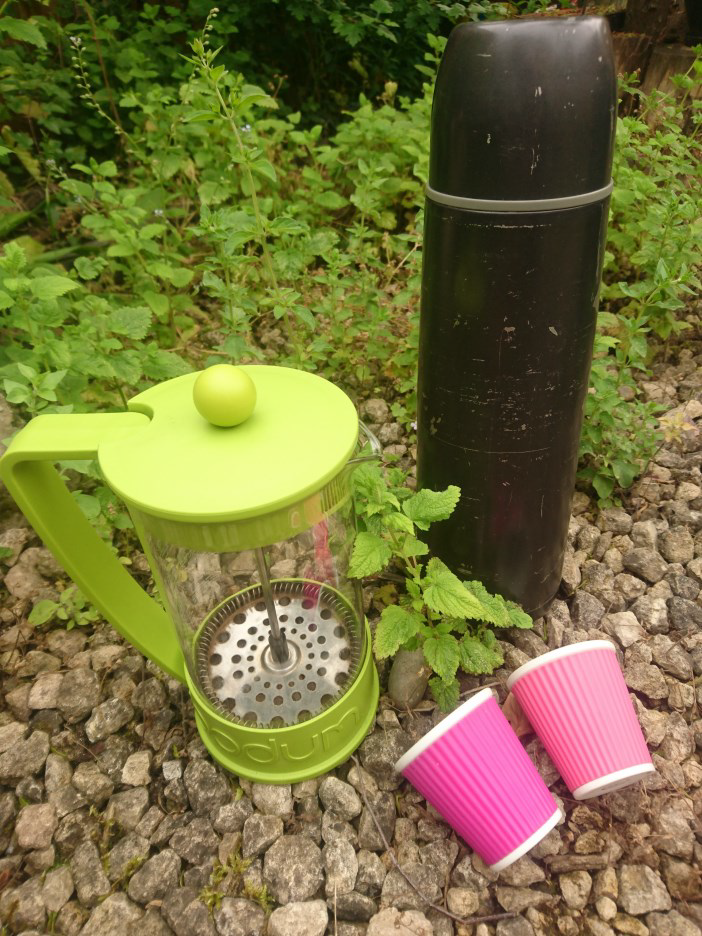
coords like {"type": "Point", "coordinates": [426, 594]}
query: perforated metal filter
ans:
{"type": "Point", "coordinates": [239, 675]}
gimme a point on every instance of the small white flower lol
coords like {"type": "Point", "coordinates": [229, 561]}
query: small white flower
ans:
{"type": "Point", "coordinates": [158, 212]}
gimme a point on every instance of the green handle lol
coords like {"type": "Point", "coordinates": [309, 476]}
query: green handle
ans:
{"type": "Point", "coordinates": [28, 472]}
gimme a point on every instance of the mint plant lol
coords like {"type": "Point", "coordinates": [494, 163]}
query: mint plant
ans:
{"type": "Point", "coordinates": [452, 621]}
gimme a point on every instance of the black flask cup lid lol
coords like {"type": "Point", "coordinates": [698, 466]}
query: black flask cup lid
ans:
{"type": "Point", "coordinates": [524, 115]}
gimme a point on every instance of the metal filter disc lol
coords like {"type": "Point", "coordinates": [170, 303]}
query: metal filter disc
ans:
{"type": "Point", "coordinates": [239, 675]}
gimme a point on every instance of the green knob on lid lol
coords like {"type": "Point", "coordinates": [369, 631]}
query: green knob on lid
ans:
{"type": "Point", "coordinates": [224, 395]}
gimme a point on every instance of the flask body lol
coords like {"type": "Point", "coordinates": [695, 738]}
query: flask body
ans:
{"type": "Point", "coordinates": [509, 308]}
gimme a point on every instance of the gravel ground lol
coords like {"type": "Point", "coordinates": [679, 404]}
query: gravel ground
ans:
{"type": "Point", "coordinates": [114, 820]}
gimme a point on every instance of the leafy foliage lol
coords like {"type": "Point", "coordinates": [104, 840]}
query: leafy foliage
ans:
{"type": "Point", "coordinates": [438, 612]}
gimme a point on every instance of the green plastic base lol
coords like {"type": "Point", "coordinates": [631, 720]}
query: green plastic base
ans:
{"type": "Point", "coordinates": [297, 752]}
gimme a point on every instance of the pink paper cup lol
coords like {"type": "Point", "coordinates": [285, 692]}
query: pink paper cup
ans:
{"type": "Point", "coordinates": [578, 704]}
{"type": "Point", "coordinates": [474, 771]}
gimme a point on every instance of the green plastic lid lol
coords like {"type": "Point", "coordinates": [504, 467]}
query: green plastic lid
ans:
{"type": "Point", "coordinates": [181, 467]}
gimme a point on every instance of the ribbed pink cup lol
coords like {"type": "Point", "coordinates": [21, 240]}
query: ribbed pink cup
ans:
{"type": "Point", "coordinates": [578, 704]}
{"type": "Point", "coordinates": [474, 771]}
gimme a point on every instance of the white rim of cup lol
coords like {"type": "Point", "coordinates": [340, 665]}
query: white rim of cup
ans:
{"type": "Point", "coordinates": [529, 843]}
{"type": "Point", "coordinates": [431, 736]}
{"type": "Point", "coordinates": [609, 783]}
{"type": "Point", "coordinates": [583, 647]}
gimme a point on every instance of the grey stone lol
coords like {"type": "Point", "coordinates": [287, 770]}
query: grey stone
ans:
{"type": "Point", "coordinates": [24, 906]}
{"type": "Point", "coordinates": [10, 734]}
{"type": "Point", "coordinates": [383, 805]}
{"type": "Point", "coordinates": [463, 901]}
{"type": "Point", "coordinates": [155, 877]}
{"type": "Point", "coordinates": [671, 657]}
{"type": "Point", "coordinates": [575, 887]}
{"type": "Point", "coordinates": [292, 869]}
{"type": "Point", "coordinates": [672, 823]}
{"type": "Point", "coordinates": [624, 627]}
{"type": "Point", "coordinates": [44, 691]}
{"type": "Point", "coordinates": [586, 610]}
{"type": "Point", "coordinates": [152, 924]}
{"type": "Point", "coordinates": [641, 676]}
{"type": "Point", "coordinates": [89, 780]}
{"type": "Point", "coordinates": [517, 926]}
{"type": "Point", "coordinates": [518, 899]}
{"type": "Point", "coordinates": [614, 520]}
{"type": "Point", "coordinates": [260, 832]}
{"type": "Point", "coordinates": [340, 866]}
{"type": "Point", "coordinates": [238, 917]}
{"type": "Point", "coordinates": [641, 890]}
{"type": "Point", "coordinates": [299, 919]}
{"type": "Point", "coordinates": [644, 534]}
{"type": "Point", "coordinates": [137, 769]}
{"type": "Point", "coordinates": [79, 694]}
{"type": "Point", "coordinates": [354, 907]}
{"type": "Point", "coordinates": [371, 873]}
{"type": "Point", "coordinates": [36, 825]}
{"type": "Point", "coordinates": [128, 807]}
{"type": "Point", "coordinates": [393, 922]}
{"type": "Point", "coordinates": [186, 914]}
{"type": "Point", "coordinates": [196, 842]}
{"type": "Point", "coordinates": [114, 917]}
{"type": "Point", "coordinates": [646, 564]}
{"type": "Point", "coordinates": [15, 539]}
{"type": "Point", "coordinates": [206, 787]}
{"type": "Point", "coordinates": [273, 800]}
{"type": "Point", "coordinates": [57, 888]}
{"type": "Point", "coordinates": [108, 718]}
{"type": "Point", "coordinates": [397, 892]}
{"type": "Point", "coordinates": [522, 873]}
{"type": "Point", "coordinates": [57, 772]}
{"type": "Point", "coordinates": [380, 752]}
{"type": "Point", "coordinates": [679, 740]}
{"type": "Point", "coordinates": [440, 854]}
{"type": "Point", "coordinates": [25, 758]}
{"type": "Point", "coordinates": [543, 763]}
{"type": "Point", "coordinates": [408, 678]}
{"type": "Point", "coordinates": [71, 918]}
{"type": "Point", "coordinates": [340, 797]}
{"type": "Point", "coordinates": [676, 546]}
{"type": "Point", "coordinates": [127, 856]}
{"type": "Point", "coordinates": [90, 880]}
{"type": "Point", "coordinates": [671, 924]}
{"type": "Point", "coordinates": [232, 816]}
{"type": "Point", "coordinates": [684, 615]}
{"type": "Point", "coordinates": [626, 585]}
{"type": "Point", "coordinates": [652, 613]}
{"type": "Point", "coordinates": [682, 879]}
{"type": "Point", "coordinates": [683, 587]}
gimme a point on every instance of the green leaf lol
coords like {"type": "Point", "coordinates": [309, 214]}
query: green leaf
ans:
{"type": "Point", "coordinates": [624, 472]}
{"type": "Point", "coordinates": [6, 552]}
{"type": "Point", "coordinates": [89, 268]}
{"type": "Point", "coordinates": [88, 504]}
{"type": "Point", "coordinates": [478, 656]}
{"type": "Point", "coordinates": [331, 200]}
{"type": "Point", "coordinates": [445, 593]}
{"type": "Point", "coordinates": [6, 300]}
{"type": "Point", "coordinates": [446, 692]}
{"type": "Point", "coordinates": [604, 485]}
{"type": "Point", "coordinates": [134, 322]}
{"type": "Point", "coordinates": [412, 547]}
{"type": "Point", "coordinates": [395, 627]}
{"type": "Point", "coordinates": [49, 287]}
{"type": "Point", "coordinates": [22, 30]}
{"type": "Point", "coordinates": [42, 612]}
{"type": "Point", "coordinates": [370, 555]}
{"type": "Point", "coordinates": [157, 302]}
{"type": "Point", "coordinates": [263, 167]}
{"type": "Point", "coordinates": [161, 365]}
{"type": "Point", "coordinates": [518, 616]}
{"type": "Point", "coordinates": [425, 507]}
{"type": "Point", "coordinates": [441, 653]}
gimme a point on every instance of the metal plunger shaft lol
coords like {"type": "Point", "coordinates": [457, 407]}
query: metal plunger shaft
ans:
{"type": "Point", "coordinates": [277, 640]}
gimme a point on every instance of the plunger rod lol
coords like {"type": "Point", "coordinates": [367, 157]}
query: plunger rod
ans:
{"type": "Point", "coordinates": [277, 641]}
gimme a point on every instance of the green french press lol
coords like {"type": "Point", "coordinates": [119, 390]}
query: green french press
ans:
{"type": "Point", "coordinates": [238, 484]}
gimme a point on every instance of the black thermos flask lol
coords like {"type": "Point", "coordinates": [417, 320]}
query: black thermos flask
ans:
{"type": "Point", "coordinates": [522, 133]}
